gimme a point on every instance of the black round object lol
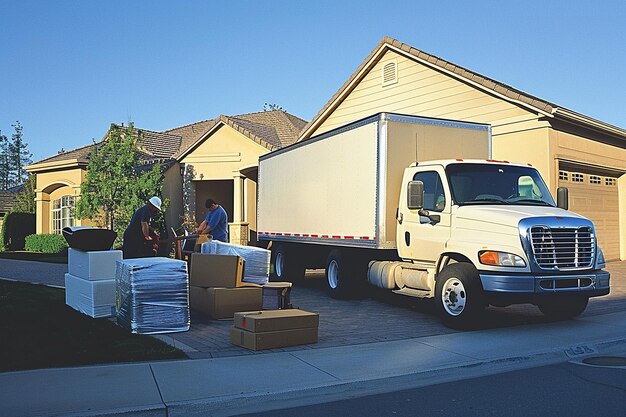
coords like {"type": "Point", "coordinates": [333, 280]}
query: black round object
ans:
{"type": "Point", "coordinates": [89, 238]}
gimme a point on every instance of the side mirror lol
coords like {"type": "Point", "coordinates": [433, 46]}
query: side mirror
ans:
{"type": "Point", "coordinates": [562, 198]}
{"type": "Point", "coordinates": [415, 195]}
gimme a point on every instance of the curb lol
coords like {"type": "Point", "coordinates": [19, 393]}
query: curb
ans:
{"type": "Point", "coordinates": [267, 401]}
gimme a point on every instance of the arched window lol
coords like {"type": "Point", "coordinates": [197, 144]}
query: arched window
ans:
{"type": "Point", "coordinates": [63, 213]}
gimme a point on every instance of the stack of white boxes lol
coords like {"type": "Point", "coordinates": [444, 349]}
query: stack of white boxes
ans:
{"type": "Point", "coordinates": [90, 283]}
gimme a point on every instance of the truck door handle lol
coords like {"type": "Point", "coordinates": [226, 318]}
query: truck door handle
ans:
{"type": "Point", "coordinates": [400, 217]}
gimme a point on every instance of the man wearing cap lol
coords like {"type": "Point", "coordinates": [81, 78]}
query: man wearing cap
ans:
{"type": "Point", "coordinates": [137, 240]}
{"type": "Point", "coordinates": [215, 222]}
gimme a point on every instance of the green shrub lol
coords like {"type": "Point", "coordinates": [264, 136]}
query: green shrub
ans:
{"type": "Point", "coordinates": [15, 227]}
{"type": "Point", "coordinates": [46, 243]}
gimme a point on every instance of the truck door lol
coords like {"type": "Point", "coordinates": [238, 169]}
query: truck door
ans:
{"type": "Point", "coordinates": [419, 237]}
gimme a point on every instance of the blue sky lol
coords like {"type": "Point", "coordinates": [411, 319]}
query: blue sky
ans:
{"type": "Point", "coordinates": [70, 68]}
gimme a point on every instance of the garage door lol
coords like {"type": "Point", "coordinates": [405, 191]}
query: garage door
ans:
{"type": "Point", "coordinates": [595, 196]}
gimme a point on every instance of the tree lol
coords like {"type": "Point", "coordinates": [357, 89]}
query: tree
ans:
{"type": "Point", "coordinates": [5, 164]}
{"type": "Point", "coordinates": [116, 183]}
{"type": "Point", "coordinates": [19, 155]}
{"type": "Point", "coordinates": [25, 199]}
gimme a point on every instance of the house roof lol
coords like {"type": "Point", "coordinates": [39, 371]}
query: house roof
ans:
{"type": "Point", "coordinates": [271, 129]}
{"type": "Point", "coordinates": [495, 87]}
{"type": "Point", "coordinates": [7, 198]}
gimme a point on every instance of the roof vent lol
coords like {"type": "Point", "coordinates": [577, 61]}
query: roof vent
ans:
{"type": "Point", "coordinates": [390, 73]}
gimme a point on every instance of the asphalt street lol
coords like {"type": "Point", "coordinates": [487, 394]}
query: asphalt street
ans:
{"type": "Point", "coordinates": [570, 389]}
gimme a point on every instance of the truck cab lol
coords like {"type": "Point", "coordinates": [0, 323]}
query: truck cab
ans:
{"type": "Point", "coordinates": [489, 232]}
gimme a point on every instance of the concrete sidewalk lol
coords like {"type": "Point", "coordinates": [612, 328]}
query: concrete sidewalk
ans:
{"type": "Point", "coordinates": [245, 384]}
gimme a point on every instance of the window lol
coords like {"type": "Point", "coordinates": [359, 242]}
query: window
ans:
{"type": "Point", "coordinates": [610, 181]}
{"type": "Point", "coordinates": [594, 179]}
{"type": "Point", "coordinates": [434, 197]}
{"type": "Point", "coordinates": [563, 175]}
{"type": "Point", "coordinates": [63, 213]}
{"type": "Point", "coordinates": [578, 177]}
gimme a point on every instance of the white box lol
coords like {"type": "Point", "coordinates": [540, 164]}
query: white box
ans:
{"type": "Point", "coordinates": [93, 265]}
{"type": "Point", "coordinates": [93, 298]}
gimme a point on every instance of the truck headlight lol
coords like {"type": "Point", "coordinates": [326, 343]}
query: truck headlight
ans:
{"type": "Point", "coordinates": [494, 258]}
{"type": "Point", "coordinates": [600, 262]}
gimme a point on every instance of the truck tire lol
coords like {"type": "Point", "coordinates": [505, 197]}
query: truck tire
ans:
{"type": "Point", "coordinates": [342, 274]}
{"type": "Point", "coordinates": [459, 296]}
{"type": "Point", "coordinates": [563, 308]}
{"type": "Point", "coordinates": [286, 264]}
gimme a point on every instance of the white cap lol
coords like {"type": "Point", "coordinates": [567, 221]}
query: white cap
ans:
{"type": "Point", "coordinates": [156, 202]}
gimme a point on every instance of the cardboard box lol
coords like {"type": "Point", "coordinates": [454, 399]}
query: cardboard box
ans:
{"type": "Point", "coordinates": [275, 320]}
{"type": "Point", "coordinates": [270, 340]}
{"type": "Point", "coordinates": [93, 298]}
{"type": "Point", "coordinates": [276, 295]}
{"type": "Point", "coordinates": [216, 271]}
{"type": "Point", "coordinates": [222, 303]}
{"type": "Point", "coordinates": [93, 265]}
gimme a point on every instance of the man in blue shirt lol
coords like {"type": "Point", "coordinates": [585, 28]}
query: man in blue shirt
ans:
{"type": "Point", "coordinates": [215, 222]}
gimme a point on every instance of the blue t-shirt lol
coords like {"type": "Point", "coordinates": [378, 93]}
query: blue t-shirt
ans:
{"type": "Point", "coordinates": [217, 220]}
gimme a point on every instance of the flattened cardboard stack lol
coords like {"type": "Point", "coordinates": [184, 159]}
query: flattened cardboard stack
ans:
{"type": "Point", "coordinates": [216, 287]}
{"type": "Point", "coordinates": [152, 295]}
{"type": "Point", "coordinates": [90, 282]}
{"type": "Point", "coordinates": [268, 329]}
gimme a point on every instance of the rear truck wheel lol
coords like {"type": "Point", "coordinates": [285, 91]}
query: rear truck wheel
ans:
{"type": "Point", "coordinates": [343, 273]}
{"type": "Point", "coordinates": [286, 264]}
{"type": "Point", "coordinates": [564, 308]}
{"type": "Point", "coordinates": [459, 296]}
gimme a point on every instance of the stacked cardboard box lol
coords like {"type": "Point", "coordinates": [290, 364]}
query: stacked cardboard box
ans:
{"type": "Point", "coordinates": [257, 270]}
{"type": "Point", "coordinates": [268, 329]}
{"type": "Point", "coordinates": [216, 287]}
{"type": "Point", "coordinates": [90, 282]}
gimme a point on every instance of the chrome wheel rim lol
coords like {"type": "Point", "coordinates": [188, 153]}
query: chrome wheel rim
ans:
{"type": "Point", "coordinates": [333, 274]}
{"type": "Point", "coordinates": [280, 264]}
{"type": "Point", "coordinates": [453, 297]}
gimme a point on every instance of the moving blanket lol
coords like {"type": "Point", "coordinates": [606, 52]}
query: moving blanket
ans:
{"type": "Point", "coordinates": [256, 268]}
{"type": "Point", "coordinates": [152, 295]}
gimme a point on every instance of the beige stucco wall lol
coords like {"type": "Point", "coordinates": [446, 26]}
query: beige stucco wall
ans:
{"type": "Point", "coordinates": [220, 157]}
{"type": "Point", "coordinates": [52, 185]}
{"type": "Point", "coordinates": [225, 151]}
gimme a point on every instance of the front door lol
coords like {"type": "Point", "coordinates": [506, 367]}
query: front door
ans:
{"type": "Point", "coordinates": [419, 238]}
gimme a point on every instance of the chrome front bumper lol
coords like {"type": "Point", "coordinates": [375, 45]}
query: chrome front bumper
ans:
{"type": "Point", "coordinates": [591, 284]}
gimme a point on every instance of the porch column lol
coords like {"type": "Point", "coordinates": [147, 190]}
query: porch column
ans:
{"type": "Point", "coordinates": [238, 229]}
{"type": "Point", "coordinates": [42, 210]}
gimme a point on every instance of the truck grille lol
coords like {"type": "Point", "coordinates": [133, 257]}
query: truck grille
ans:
{"type": "Point", "coordinates": [563, 248]}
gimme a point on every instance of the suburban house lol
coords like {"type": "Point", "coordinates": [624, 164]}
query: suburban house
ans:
{"type": "Point", "coordinates": [215, 158]}
{"type": "Point", "coordinates": [7, 200]}
{"type": "Point", "coordinates": [569, 149]}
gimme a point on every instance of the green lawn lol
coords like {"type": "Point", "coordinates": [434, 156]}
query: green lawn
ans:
{"type": "Point", "coordinates": [22, 255]}
{"type": "Point", "coordinates": [37, 330]}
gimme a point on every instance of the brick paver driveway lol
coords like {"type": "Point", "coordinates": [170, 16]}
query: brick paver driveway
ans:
{"type": "Point", "coordinates": [380, 316]}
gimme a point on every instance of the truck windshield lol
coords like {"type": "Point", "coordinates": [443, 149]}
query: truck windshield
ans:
{"type": "Point", "coordinates": [497, 184]}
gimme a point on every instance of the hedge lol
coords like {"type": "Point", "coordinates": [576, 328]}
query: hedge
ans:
{"type": "Point", "coordinates": [15, 227]}
{"type": "Point", "coordinates": [46, 243]}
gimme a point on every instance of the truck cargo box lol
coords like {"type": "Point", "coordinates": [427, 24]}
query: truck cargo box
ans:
{"type": "Point", "coordinates": [341, 187]}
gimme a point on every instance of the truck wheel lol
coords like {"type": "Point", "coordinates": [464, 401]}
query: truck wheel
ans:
{"type": "Point", "coordinates": [563, 308]}
{"type": "Point", "coordinates": [341, 274]}
{"type": "Point", "coordinates": [286, 264]}
{"type": "Point", "coordinates": [459, 295]}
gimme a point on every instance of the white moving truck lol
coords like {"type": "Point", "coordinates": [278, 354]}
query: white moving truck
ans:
{"type": "Point", "coordinates": [381, 200]}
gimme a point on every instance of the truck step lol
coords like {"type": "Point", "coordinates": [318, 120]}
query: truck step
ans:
{"type": "Point", "coordinates": [411, 292]}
